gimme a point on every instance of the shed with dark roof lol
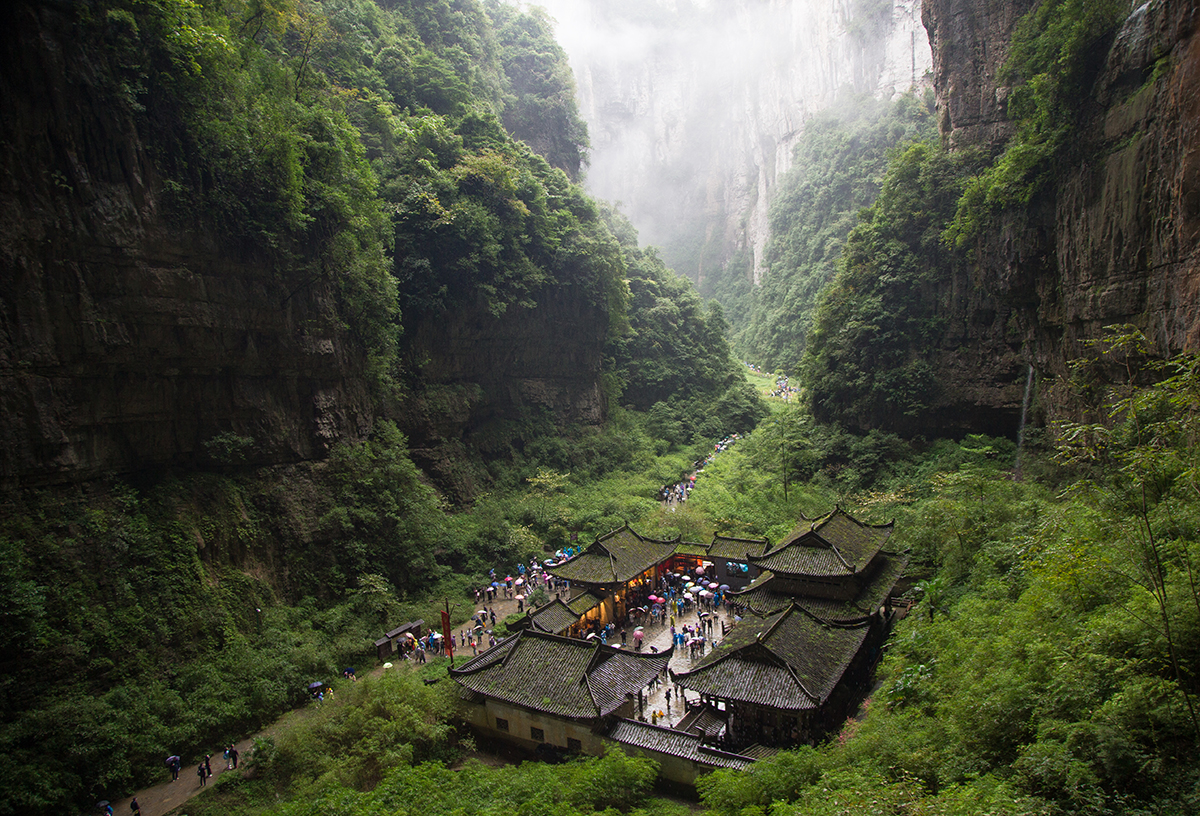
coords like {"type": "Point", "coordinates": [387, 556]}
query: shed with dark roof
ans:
{"type": "Point", "coordinates": [682, 757]}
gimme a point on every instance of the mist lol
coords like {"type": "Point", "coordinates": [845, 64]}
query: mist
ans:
{"type": "Point", "coordinates": [693, 107]}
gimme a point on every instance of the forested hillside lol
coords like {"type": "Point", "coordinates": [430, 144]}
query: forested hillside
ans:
{"type": "Point", "coordinates": [304, 324]}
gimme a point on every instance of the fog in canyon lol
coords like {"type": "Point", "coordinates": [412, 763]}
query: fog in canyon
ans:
{"type": "Point", "coordinates": [693, 108]}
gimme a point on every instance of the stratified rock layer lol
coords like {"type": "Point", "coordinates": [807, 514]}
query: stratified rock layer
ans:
{"type": "Point", "coordinates": [1114, 238]}
{"type": "Point", "coordinates": [128, 340]}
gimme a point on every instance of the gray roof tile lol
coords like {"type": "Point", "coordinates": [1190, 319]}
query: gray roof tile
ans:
{"type": "Point", "coordinates": [561, 676]}
{"type": "Point", "coordinates": [673, 743]}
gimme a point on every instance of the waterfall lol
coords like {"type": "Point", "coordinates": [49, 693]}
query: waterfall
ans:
{"type": "Point", "coordinates": [1024, 415]}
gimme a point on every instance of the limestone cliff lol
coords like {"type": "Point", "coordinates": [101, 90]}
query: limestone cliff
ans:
{"type": "Point", "coordinates": [129, 338]}
{"type": "Point", "coordinates": [694, 109]}
{"type": "Point", "coordinates": [1115, 238]}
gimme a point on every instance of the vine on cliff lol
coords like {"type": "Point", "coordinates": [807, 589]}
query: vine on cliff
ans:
{"type": "Point", "coordinates": [1057, 51]}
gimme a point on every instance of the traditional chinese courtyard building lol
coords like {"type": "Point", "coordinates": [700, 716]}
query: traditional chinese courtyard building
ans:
{"type": "Point", "coordinates": [621, 567]}
{"type": "Point", "coordinates": [535, 688]}
{"type": "Point", "coordinates": [835, 567]}
{"type": "Point", "coordinates": [780, 679]}
{"type": "Point", "coordinates": [788, 673]}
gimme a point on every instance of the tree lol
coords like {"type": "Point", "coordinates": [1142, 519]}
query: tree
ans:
{"type": "Point", "coordinates": [1146, 444]}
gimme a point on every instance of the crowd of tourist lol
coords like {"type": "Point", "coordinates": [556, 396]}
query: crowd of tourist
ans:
{"type": "Point", "coordinates": [678, 493]}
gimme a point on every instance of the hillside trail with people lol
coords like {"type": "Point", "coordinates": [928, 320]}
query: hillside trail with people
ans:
{"type": "Point", "coordinates": [168, 795]}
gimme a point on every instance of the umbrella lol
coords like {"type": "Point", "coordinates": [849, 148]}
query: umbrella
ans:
{"type": "Point", "coordinates": [519, 581]}
{"type": "Point", "coordinates": [699, 570]}
{"type": "Point", "coordinates": [495, 583]}
{"type": "Point", "coordinates": [638, 635]}
{"type": "Point", "coordinates": [387, 665]}
{"type": "Point", "coordinates": [713, 585]}
{"type": "Point", "coordinates": [316, 684]}
{"type": "Point", "coordinates": [591, 635]}
{"type": "Point", "coordinates": [687, 595]}
{"type": "Point", "coordinates": [437, 636]}
{"type": "Point", "coordinates": [410, 635]}
{"type": "Point", "coordinates": [507, 577]}
{"type": "Point", "coordinates": [724, 587]}
{"type": "Point", "coordinates": [102, 804]}
{"type": "Point", "coordinates": [519, 597]}
{"type": "Point", "coordinates": [638, 629]}
{"type": "Point", "coordinates": [481, 612]}
{"type": "Point", "coordinates": [349, 669]}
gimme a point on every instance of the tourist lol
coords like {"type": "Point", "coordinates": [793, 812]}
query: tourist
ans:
{"type": "Point", "coordinates": [200, 772]}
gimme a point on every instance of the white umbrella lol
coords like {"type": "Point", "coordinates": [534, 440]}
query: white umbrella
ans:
{"type": "Point", "coordinates": [519, 597]}
{"type": "Point", "coordinates": [387, 665]}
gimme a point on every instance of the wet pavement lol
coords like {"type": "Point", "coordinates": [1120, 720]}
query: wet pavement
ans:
{"type": "Point", "coordinates": [659, 636]}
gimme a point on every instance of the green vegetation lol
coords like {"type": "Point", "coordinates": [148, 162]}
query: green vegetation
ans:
{"type": "Point", "coordinates": [674, 361]}
{"type": "Point", "coordinates": [1048, 667]}
{"type": "Point", "coordinates": [865, 364]}
{"type": "Point", "coordinates": [379, 747]}
{"type": "Point", "coordinates": [1056, 53]}
{"type": "Point", "coordinates": [837, 170]}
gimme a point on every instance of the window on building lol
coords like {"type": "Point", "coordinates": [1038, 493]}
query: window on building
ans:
{"type": "Point", "coordinates": [501, 724]}
{"type": "Point", "coordinates": [574, 745]}
{"type": "Point", "coordinates": [537, 734]}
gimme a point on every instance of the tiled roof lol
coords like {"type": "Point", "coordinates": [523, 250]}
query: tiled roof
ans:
{"type": "Point", "coordinates": [555, 617]}
{"type": "Point", "coordinates": [614, 558]}
{"type": "Point", "coordinates": [615, 673]}
{"type": "Point", "coordinates": [834, 546]}
{"type": "Point", "coordinates": [673, 743]}
{"type": "Point", "coordinates": [582, 604]}
{"type": "Point", "coordinates": [736, 549]}
{"type": "Point", "coordinates": [790, 660]}
{"type": "Point", "coordinates": [702, 720]}
{"type": "Point", "coordinates": [561, 676]}
{"type": "Point", "coordinates": [765, 596]}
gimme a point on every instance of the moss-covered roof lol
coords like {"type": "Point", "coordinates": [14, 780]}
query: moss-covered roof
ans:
{"type": "Point", "coordinates": [790, 661]}
{"type": "Point", "coordinates": [728, 548]}
{"type": "Point", "coordinates": [555, 617]}
{"type": "Point", "coordinates": [584, 603]}
{"type": "Point", "coordinates": [614, 558]}
{"type": "Point", "coordinates": [577, 679]}
{"type": "Point", "coordinates": [765, 596]}
{"type": "Point", "coordinates": [834, 546]}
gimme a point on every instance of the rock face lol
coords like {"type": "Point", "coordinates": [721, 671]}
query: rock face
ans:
{"type": "Point", "coordinates": [129, 339]}
{"type": "Point", "coordinates": [693, 112]}
{"type": "Point", "coordinates": [1116, 238]}
{"type": "Point", "coordinates": [485, 382]}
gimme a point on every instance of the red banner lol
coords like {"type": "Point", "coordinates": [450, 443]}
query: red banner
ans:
{"type": "Point", "coordinates": [447, 634]}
